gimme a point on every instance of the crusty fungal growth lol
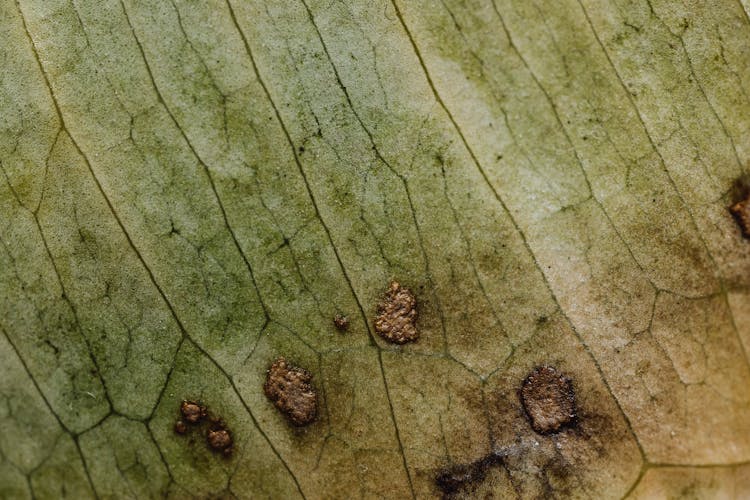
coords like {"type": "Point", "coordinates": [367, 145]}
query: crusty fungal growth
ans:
{"type": "Point", "coordinates": [218, 436]}
{"type": "Point", "coordinates": [397, 315]}
{"type": "Point", "coordinates": [548, 398]}
{"type": "Point", "coordinates": [192, 412]}
{"type": "Point", "coordinates": [741, 212]}
{"type": "Point", "coordinates": [220, 440]}
{"type": "Point", "coordinates": [289, 389]}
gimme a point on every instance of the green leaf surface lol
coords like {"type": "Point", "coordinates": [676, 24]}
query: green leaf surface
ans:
{"type": "Point", "coordinates": [192, 189]}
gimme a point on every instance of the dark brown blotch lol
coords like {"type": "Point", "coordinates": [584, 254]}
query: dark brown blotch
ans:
{"type": "Point", "coordinates": [453, 479]}
{"type": "Point", "coordinates": [341, 322]}
{"type": "Point", "coordinates": [290, 390]}
{"type": "Point", "coordinates": [548, 399]}
{"type": "Point", "coordinates": [396, 316]}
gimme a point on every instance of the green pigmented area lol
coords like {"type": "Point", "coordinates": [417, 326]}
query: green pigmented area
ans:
{"type": "Point", "coordinates": [62, 474]}
{"type": "Point", "coordinates": [190, 190]}
{"type": "Point", "coordinates": [132, 465]}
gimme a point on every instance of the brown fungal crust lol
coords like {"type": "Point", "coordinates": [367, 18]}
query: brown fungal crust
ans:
{"type": "Point", "coordinates": [741, 212]}
{"type": "Point", "coordinates": [397, 315]}
{"type": "Point", "coordinates": [192, 412]}
{"type": "Point", "coordinates": [218, 436]}
{"type": "Point", "coordinates": [289, 389]}
{"type": "Point", "coordinates": [548, 399]}
{"type": "Point", "coordinates": [341, 322]}
{"type": "Point", "coordinates": [219, 440]}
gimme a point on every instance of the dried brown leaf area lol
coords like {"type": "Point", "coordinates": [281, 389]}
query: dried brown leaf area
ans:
{"type": "Point", "coordinates": [189, 190]}
{"type": "Point", "coordinates": [397, 315]}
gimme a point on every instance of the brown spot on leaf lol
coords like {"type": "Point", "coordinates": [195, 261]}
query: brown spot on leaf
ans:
{"type": "Point", "coordinates": [548, 398]}
{"type": "Point", "coordinates": [341, 322]}
{"type": "Point", "coordinates": [192, 412]}
{"type": "Point", "coordinates": [218, 436]}
{"type": "Point", "coordinates": [219, 440]}
{"type": "Point", "coordinates": [397, 315]}
{"type": "Point", "coordinates": [741, 212]}
{"type": "Point", "coordinates": [289, 389]}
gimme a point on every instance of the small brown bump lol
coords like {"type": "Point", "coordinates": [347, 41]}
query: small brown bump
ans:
{"type": "Point", "coordinates": [397, 315]}
{"type": "Point", "coordinates": [548, 398]}
{"type": "Point", "coordinates": [219, 439]}
{"type": "Point", "coordinates": [289, 389]}
{"type": "Point", "coordinates": [192, 412]}
{"type": "Point", "coordinates": [341, 322]}
{"type": "Point", "coordinates": [741, 212]}
{"type": "Point", "coordinates": [180, 427]}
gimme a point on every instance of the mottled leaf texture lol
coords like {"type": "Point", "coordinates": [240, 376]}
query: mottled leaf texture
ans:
{"type": "Point", "coordinates": [191, 190]}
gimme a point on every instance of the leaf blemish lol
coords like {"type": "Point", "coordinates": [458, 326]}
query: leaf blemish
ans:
{"type": "Point", "coordinates": [741, 212]}
{"type": "Point", "coordinates": [453, 479]}
{"type": "Point", "coordinates": [218, 436]}
{"type": "Point", "coordinates": [740, 207]}
{"type": "Point", "coordinates": [397, 315]}
{"type": "Point", "coordinates": [288, 387]}
{"type": "Point", "coordinates": [192, 412]}
{"type": "Point", "coordinates": [341, 322]}
{"type": "Point", "coordinates": [548, 399]}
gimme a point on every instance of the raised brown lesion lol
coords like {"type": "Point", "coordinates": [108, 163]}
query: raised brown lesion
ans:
{"type": "Point", "coordinates": [192, 412]}
{"type": "Point", "coordinates": [193, 415]}
{"type": "Point", "coordinates": [548, 399]}
{"type": "Point", "coordinates": [396, 316]}
{"type": "Point", "coordinates": [219, 437]}
{"type": "Point", "coordinates": [290, 390]}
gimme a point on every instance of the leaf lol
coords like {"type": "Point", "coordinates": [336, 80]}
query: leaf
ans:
{"type": "Point", "coordinates": [191, 190]}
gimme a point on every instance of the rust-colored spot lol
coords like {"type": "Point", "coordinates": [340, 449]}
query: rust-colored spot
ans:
{"type": "Point", "coordinates": [180, 427]}
{"type": "Point", "coordinates": [341, 322]}
{"type": "Point", "coordinates": [741, 212]}
{"type": "Point", "coordinates": [397, 315]}
{"type": "Point", "coordinates": [289, 389]}
{"type": "Point", "coordinates": [548, 398]}
{"type": "Point", "coordinates": [218, 436]}
{"type": "Point", "coordinates": [192, 412]}
{"type": "Point", "coordinates": [220, 440]}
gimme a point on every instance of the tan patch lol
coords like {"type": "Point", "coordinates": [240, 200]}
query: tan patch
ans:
{"type": "Point", "coordinates": [289, 388]}
{"type": "Point", "coordinates": [397, 315]}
